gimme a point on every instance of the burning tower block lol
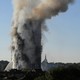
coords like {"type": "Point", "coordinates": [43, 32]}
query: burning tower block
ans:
{"type": "Point", "coordinates": [26, 45]}
{"type": "Point", "coordinates": [27, 25]}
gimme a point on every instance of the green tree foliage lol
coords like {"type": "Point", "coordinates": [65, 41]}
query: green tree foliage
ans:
{"type": "Point", "coordinates": [68, 73]}
{"type": "Point", "coordinates": [71, 72]}
{"type": "Point", "coordinates": [46, 76]}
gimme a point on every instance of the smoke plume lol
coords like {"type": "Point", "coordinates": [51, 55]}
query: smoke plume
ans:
{"type": "Point", "coordinates": [27, 25]}
{"type": "Point", "coordinates": [40, 9]}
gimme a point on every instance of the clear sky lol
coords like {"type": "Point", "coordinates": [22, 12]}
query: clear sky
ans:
{"type": "Point", "coordinates": [61, 42]}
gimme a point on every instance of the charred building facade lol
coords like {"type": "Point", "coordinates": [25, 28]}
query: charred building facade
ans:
{"type": "Point", "coordinates": [26, 45]}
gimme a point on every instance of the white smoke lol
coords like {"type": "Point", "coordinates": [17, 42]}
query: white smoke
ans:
{"type": "Point", "coordinates": [39, 8]}
{"type": "Point", "coordinates": [28, 23]}
{"type": "Point", "coordinates": [49, 8]}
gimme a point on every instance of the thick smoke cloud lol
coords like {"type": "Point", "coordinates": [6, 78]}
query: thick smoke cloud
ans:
{"type": "Point", "coordinates": [37, 9]}
{"type": "Point", "coordinates": [28, 23]}
{"type": "Point", "coordinates": [40, 8]}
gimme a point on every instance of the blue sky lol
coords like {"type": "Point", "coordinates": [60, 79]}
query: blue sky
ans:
{"type": "Point", "coordinates": [61, 42]}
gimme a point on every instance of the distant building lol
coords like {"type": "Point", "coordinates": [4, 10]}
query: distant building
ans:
{"type": "Point", "coordinates": [3, 64]}
{"type": "Point", "coordinates": [45, 65]}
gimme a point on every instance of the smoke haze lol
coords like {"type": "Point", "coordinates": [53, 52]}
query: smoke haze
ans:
{"type": "Point", "coordinates": [28, 23]}
{"type": "Point", "coordinates": [40, 9]}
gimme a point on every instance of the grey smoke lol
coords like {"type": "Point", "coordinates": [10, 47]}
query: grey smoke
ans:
{"type": "Point", "coordinates": [28, 23]}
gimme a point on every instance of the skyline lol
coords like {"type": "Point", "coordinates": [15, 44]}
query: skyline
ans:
{"type": "Point", "coordinates": [62, 42]}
